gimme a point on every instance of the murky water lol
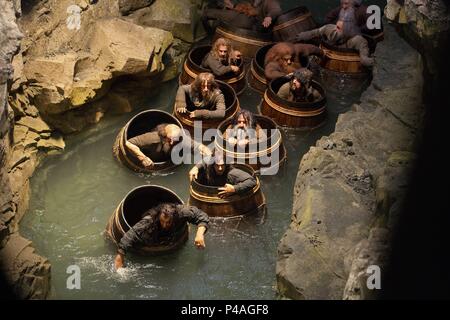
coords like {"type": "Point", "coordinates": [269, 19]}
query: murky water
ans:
{"type": "Point", "coordinates": [74, 194]}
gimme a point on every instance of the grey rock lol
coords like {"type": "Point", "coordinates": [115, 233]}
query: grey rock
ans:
{"type": "Point", "coordinates": [344, 184]}
{"type": "Point", "coordinates": [128, 6]}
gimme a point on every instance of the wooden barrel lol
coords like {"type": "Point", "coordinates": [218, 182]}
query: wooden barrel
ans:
{"type": "Point", "coordinates": [292, 22]}
{"type": "Point", "coordinates": [130, 211]}
{"type": "Point", "coordinates": [256, 76]}
{"type": "Point", "coordinates": [140, 124]}
{"type": "Point", "coordinates": [342, 60]}
{"type": "Point", "coordinates": [206, 198]}
{"type": "Point", "coordinates": [231, 102]}
{"type": "Point", "coordinates": [192, 67]}
{"type": "Point", "coordinates": [300, 115]}
{"type": "Point", "coordinates": [247, 41]}
{"type": "Point", "coordinates": [265, 157]}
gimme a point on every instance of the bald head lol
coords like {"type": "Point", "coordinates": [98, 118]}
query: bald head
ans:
{"type": "Point", "coordinates": [173, 133]}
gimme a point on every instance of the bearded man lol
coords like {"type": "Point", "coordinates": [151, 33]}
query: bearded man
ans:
{"type": "Point", "coordinates": [222, 59]}
{"type": "Point", "coordinates": [202, 99]}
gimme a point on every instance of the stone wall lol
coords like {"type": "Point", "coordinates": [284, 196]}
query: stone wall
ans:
{"type": "Point", "coordinates": [355, 180]}
{"type": "Point", "coordinates": [64, 70]}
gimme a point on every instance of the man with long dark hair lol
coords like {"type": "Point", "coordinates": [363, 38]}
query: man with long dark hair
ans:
{"type": "Point", "coordinates": [217, 173]}
{"type": "Point", "coordinates": [222, 58]}
{"type": "Point", "coordinates": [202, 99]}
{"type": "Point", "coordinates": [159, 225]}
{"type": "Point", "coordinates": [299, 88]}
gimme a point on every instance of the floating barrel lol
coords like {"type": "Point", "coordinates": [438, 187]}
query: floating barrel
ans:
{"type": "Point", "coordinates": [248, 41]}
{"type": "Point", "coordinates": [267, 155]}
{"type": "Point", "coordinates": [192, 67]}
{"type": "Point", "coordinates": [206, 198]}
{"type": "Point", "coordinates": [292, 22]}
{"type": "Point", "coordinates": [130, 211]}
{"type": "Point", "coordinates": [256, 77]}
{"type": "Point", "coordinates": [343, 64]}
{"type": "Point", "coordinates": [140, 124]}
{"type": "Point", "coordinates": [342, 60]}
{"type": "Point", "coordinates": [301, 115]}
{"type": "Point", "coordinates": [231, 102]}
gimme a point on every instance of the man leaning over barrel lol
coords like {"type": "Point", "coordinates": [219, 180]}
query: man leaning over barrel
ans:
{"type": "Point", "coordinates": [160, 141]}
{"type": "Point", "coordinates": [162, 222]}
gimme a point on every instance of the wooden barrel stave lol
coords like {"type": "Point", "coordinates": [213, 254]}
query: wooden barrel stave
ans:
{"type": "Point", "coordinates": [292, 23]}
{"type": "Point", "coordinates": [207, 200]}
{"type": "Point", "coordinates": [247, 41]}
{"type": "Point", "coordinates": [303, 115]}
{"type": "Point", "coordinates": [256, 76]}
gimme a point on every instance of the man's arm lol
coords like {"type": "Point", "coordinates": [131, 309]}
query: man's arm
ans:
{"type": "Point", "coordinates": [217, 68]}
{"type": "Point", "coordinates": [272, 9]}
{"type": "Point", "coordinates": [241, 180]}
{"type": "Point", "coordinates": [283, 92]}
{"type": "Point", "coordinates": [198, 217]}
{"type": "Point", "coordinates": [130, 238]}
{"type": "Point", "coordinates": [180, 99]}
{"type": "Point", "coordinates": [272, 71]}
{"type": "Point", "coordinates": [218, 113]}
{"type": "Point", "coordinates": [305, 49]}
{"type": "Point", "coordinates": [136, 143]}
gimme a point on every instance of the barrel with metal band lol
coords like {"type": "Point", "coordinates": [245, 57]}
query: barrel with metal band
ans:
{"type": "Point", "coordinates": [232, 107]}
{"type": "Point", "coordinates": [265, 156]}
{"type": "Point", "coordinates": [299, 115]}
{"type": "Point", "coordinates": [192, 68]}
{"type": "Point", "coordinates": [343, 65]}
{"type": "Point", "coordinates": [256, 76]}
{"type": "Point", "coordinates": [207, 198]}
{"type": "Point", "coordinates": [248, 41]}
{"type": "Point", "coordinates": [141, 123]}
{"type": "Point", "coordinates": [130, 211]}
{"type": "Point", "coordinates": [292, 22]}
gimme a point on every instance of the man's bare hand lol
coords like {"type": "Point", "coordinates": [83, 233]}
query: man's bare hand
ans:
{"type": "Point", "coordinates": [182, 110]}
{"type": "Point", "coordinates": [192, 114]}
{"type": "Point", "coordinates": [267, 22]}
{"type": "Point", "coordinates": [193, 174]}
{"type": "Point", "coordinates": [118, 261]}
{"type": "Point", "coordinates": [235, 69]}
{"type": "Point", "coordinates": [228, 4]}
{"type": "Point", "coordinates": [226, 190]}
{"type": "Point", "coordinates": [147, 162]}
{"type": "Point", "coordinates": [204, 150]}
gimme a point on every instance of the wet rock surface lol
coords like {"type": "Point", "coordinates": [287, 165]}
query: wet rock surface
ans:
{"type": "Point", "coordinates": [63, 66]}
{"type": "Point", "coordinates": [350, 181]}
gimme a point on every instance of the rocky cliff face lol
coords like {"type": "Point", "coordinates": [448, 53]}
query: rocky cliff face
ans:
{"type": "Point", "coordinates": [352, 181]}
{"type": "Point", "coordinates": [351, 187]}
{"type": "Point", "coordinates": [63, 65]}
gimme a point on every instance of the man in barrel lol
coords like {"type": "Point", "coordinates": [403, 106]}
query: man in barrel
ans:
{"type": "Point", "coordinates": [344, 34]}
{"type": "Point", "coordinates": [299, 88]}
{"type": "Point", "coordinates": [257, 15]}
{"type": "Point", "coordinates": [202, 99]}
{"type": "Point", "coordinates": [222, 59]}
{"type": "Point", "coordinates": [216, 172]}
{"type": "Point", "coordinates": [159, 225]}
{"type": "Point", "coordinates": [158, 144]}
